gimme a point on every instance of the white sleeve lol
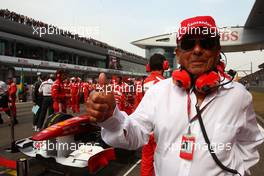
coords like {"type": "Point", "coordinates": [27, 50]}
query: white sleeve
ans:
{"type": "Point", "coordinates": [249, 136]}
{"type": "Point", "coordinates": [40, 90]}
{"type": "Point", "coordinates": [130, 132]}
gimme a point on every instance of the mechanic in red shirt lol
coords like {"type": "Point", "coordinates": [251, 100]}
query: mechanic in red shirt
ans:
{"type": "Point", "coordinates": [138, 91]}
{"type": "Point", "coordinates": [80, 93]}
{"type": "Point", "coordinates": [75, 94]}
{"type": "Point", "coordinates": [4, 100]}
{"type": "Point", "coordinates": [58, 92]}
{"type": "Point", "coordinates": [157, 65]}
{"type": "Point", "coordinates": [118, 90]}
{"type": "Point", "coordinates": [86, 90]}
{"type": "Point", "coordinates": [128, 95]}
{"type": "Point", "coordinates": [67, 89]}
{"type": "Point", "coordinates": [12, 89]}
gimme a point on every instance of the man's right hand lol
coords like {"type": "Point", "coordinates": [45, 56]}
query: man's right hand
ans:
{"type": "Point", "coordinates": [100, 105]}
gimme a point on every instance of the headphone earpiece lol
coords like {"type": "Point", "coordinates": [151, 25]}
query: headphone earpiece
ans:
{"type": "Point", "coordinates": [182, 78]}
{"type": "Point", "coordinates": [166, 64]}
{"type": "Point", "coordinates": [203, 83]}
{"type": "Point", "coordinates": [147, 68]}
{"type": "Point", "coordinates": [206, 82]}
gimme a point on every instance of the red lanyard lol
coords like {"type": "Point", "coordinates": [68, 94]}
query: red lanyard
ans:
{"type": "Point", "coordinates": [188, 105]}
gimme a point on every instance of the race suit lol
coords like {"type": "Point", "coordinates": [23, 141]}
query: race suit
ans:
{"type": "Point", "coordinates": [59, 96]}
{"type": "Point", "coordinates": [12, 89]}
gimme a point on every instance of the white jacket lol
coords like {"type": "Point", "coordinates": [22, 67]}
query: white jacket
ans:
{"type": "Point", "coordinates": [229, 121]}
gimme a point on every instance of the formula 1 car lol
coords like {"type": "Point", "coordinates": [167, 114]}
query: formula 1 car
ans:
{"type": "Point", "coordinates": [71, 141]}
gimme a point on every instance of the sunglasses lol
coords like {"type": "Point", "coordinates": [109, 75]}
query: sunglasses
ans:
{"type": "Point", "coordinates": [208, 43]}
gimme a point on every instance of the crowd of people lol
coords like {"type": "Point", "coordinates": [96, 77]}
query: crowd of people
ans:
{"type": "Point", "coordinates": [62, 93]}
{"type": "Point", "coordinates": [22, 19]}
{"type": "Point", "coordinates": [198, 122]}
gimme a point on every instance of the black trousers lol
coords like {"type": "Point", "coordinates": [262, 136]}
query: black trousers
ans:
{"type": "Point", "coordinates": [47, 104]}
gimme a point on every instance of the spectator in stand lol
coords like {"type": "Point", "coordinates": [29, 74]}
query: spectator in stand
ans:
{"type": "Point", "coordinates": [5, 13]}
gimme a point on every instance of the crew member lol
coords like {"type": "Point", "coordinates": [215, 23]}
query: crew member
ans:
{"type": "Point", "coordinates": [45, 90]}
{"type": "Point", "coordinates": [12, 89]}
{"type": "Point", "coordinates": [4, 100]}
{"type": "Point", "coordinates": [58, 93]}
{"type": "Point", "coordinates": [75, 95]}
{"type": "Point", "coordinates": [67, 87]}
{"type": "Point", "coordinates": [157, 64]}
{"type": "Point", "coordinates": [37, 99]}
{"type": "Point", "coordinates": [117, 87]}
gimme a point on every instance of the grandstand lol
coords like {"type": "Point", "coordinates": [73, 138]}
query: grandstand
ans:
{"type": "Point", "coordinates": [255, 80]}
{"type": "Point", "coordinates": [31, 45]}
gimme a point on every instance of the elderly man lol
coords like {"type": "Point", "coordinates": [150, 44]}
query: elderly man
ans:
{"type": "Point", "coordinates": [203, 122]}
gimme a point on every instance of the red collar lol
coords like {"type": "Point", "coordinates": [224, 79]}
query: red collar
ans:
{"type": "Point", "coordinates": [156, 73]}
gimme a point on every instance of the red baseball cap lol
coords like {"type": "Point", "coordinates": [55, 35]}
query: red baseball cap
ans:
{"type": "Point", "coordinates": [189, 26]}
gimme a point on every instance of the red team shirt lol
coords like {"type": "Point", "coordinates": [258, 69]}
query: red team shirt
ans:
{"type": "Point", "coordinates": [147, 167]}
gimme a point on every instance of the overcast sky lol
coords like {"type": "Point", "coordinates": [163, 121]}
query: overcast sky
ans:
{"type": "Point", "coordinates": [119, 22]}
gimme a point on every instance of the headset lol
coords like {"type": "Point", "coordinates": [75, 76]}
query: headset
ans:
{"type": "Point", "coordinates": [205, 83]}
{"type": "Point", "coordinates": [165, 66]}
